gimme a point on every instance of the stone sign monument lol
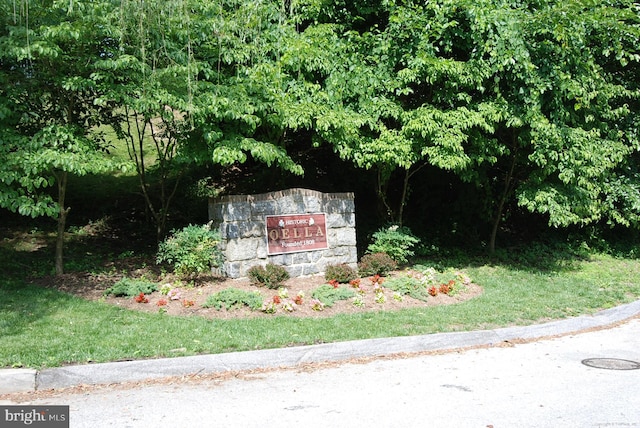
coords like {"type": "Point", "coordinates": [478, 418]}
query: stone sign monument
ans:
{"type": "Point", "coordinates": [300, 229]}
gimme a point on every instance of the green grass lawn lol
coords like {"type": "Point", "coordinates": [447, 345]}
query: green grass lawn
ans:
{"type": "Point", "coordinates": [45, 328]}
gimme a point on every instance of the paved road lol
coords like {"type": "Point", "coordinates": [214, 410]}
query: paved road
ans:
{"type": "Point", "coordinates": [537, 384]}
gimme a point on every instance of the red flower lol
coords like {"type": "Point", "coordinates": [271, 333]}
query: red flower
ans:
{"type": "Point", "coordinates": [355, 283]}
{"type": "Point", "coordinates": [186, 303]}
{"type": "Point", "coordinates": [297, 300]}
{"type": "Point", "coordinates": [334, 283]}
{"type": "Point", "coordinates": [161, 302]}
{"type": "Point", "coordinates": [433, 291]}
{"type": "Point", "coordinates": [376, 279]}
{"type": "Point", "coordinates": [276, 300]}
{"type": "Point", "coordinates": [141, 298]}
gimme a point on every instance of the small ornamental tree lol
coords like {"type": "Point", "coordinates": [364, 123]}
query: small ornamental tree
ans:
{"type": "Point", "coordinates": [48, 108]}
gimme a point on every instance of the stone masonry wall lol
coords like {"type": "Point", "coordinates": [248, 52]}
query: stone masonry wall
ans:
{"type": "Point", "coordinates": [241, 220]}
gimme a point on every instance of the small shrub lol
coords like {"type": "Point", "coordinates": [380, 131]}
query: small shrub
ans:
{"type": "Point", "coordinates": [270, 276]}
{"type": "Point", "coordinates": [397, 242]}
{"type": "Point", "coordinates": [343, 273]}
{"type": "Point", "coordinates": [191, 251]}
{"type": "Point", "coordinates": [376, 264]}
{"type": "Point", "coordinates": [131, 287]}
{"type": "Point", "coordinates": [329, 295]}
{"type": "Point", "coordinates": [233, 297]}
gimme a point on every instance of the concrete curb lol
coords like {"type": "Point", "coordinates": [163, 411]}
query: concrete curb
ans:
{"type": "Point", "coordinates": [25, 380]}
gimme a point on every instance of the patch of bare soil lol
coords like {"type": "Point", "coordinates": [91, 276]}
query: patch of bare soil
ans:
{"type": "Point", "coordinates": [191, 296]}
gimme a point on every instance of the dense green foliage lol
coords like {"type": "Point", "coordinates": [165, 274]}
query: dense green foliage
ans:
{"type": "Point", "coordinates": [191, 250]}
{"type": "Point", "coordinates": [396, 242]}
{"type": "Point", "coordinates": [483, 108]}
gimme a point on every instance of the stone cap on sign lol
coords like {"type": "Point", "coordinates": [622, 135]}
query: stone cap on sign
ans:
{"type": "Point", "coordinates": [282, 194]}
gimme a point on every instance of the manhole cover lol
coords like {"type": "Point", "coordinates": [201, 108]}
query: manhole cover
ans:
{"type": "Point", "coordinates": [611, 364]}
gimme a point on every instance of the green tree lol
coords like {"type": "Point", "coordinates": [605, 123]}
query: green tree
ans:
{"type": "Point", "coordinates": [195, 82]}
{"type": "Point", "coordinates": [48, 113]}
{"type": "Point", "coordinates": [532, 101]}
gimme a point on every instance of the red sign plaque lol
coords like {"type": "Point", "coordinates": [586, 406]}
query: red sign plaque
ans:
{"type": "Point", "coordinates": [296, 232]}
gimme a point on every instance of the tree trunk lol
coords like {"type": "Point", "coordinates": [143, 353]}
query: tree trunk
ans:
{"type": "Point", "coordinates": [61, 178]}
{"type": "Point", "coordinates": [496, 224]}
{"type": "Point", "coordinates": [508, 181]}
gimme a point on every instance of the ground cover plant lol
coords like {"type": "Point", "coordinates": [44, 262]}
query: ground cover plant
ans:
{"type": "Point", "coordinates": [233, 297]}
{"type": "Point", "coordinates": [130, 287]}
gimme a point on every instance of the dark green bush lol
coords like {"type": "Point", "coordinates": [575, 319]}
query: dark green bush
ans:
{"type": "Point", "coordinates": [343, 273]}
{"type": "Point", "coordinates": [270, 276]}
{"type": "Point", "coordinates": [376, 264]}
{"type": "Point", "coordinates": [230, 298]}
{"type": "Point", "coordinates": [131, 287]}
{"type": "Point", "coordinates": [329, 295]}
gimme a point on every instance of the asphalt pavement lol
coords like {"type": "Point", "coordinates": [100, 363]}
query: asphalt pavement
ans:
{"type": "Point", "coordinates": [577, 372]}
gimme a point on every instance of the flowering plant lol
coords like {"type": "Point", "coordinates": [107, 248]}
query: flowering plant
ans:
{"type": "Point", "coordinates": [174, 294]}
{"type": "Point", "coordinates": [463, 278]}
{"type": "Point", "coordinates": [298, 300]}
{"type": "Point", "coordinates": [186, 303]}
{"type": "Point", "coordinates": [317, 305]}
{"type": "Point", "coordinates": [433, 291]}
{"type": "Point", "coordinates": [378, 289]}
{"type": "Point", "coordinates": [376, 279]}
{"type": "Point", "coordinates": [358, 301]}
{"type": "Point", "coordinates": [355, 283]}
{"type": "Point", "coordinates": [161, 302]}
{"type": "Point", "coordinates": [283, 292]}
{"type": "Point", "coordinates": [334, 283]}
{"type": "Point", "coordinates": [141, 298]}
{"type": "Point", "coordinates": [447, 288]}
{"type": "Point", "coordinates": [288, 306]}
{"type": "Point", "coordinates": [268, 308]}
